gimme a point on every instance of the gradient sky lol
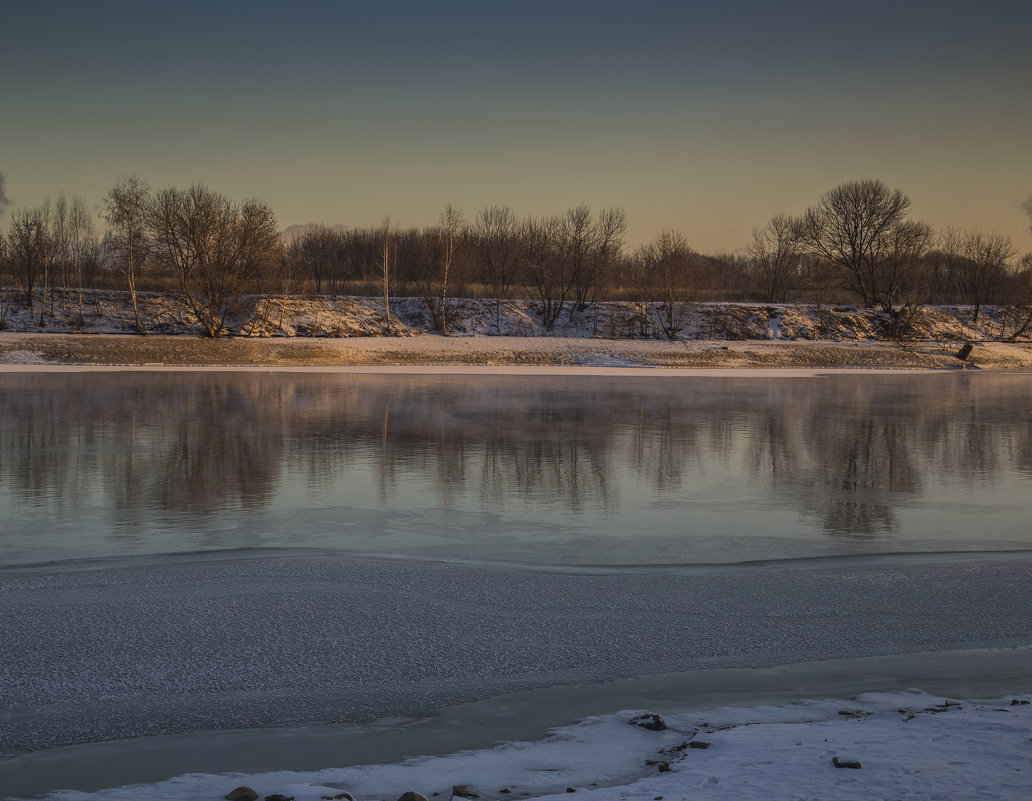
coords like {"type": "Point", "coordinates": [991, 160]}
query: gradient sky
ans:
{"type": "Point", "coordinates": [700, 117]}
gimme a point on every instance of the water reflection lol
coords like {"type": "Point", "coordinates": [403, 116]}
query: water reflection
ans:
{"type": "Point", "coordinates": [847, 455]}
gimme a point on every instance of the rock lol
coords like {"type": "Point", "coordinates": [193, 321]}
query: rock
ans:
{"type": "Point", "coordinates": [664, 767]}
{"type": "Point", "coordinates": [412, 796]}
{"type": "Point", "coordinates": [1019, 702]}
{"type": "Point", "coordinates": [571, 789]}
{"type": "Point", "coordinates": [698, 744]}
{"type": "Point", "coordinates": [339, 797]}
{"type": "Point", "coordinates": [278, 797]}
{"type": "Point", "coordinates": [505, 790]}
{"type": "Point", "coordinates": [846, 763]}
{"type": "Point", "coordinates": [650, 722]}
{"type": "Point", "coordinates": [242, 794]}
{"type": "Point", "coordinates": [462, 791]}
{"type": "Point", "coordinates": [964, 352]}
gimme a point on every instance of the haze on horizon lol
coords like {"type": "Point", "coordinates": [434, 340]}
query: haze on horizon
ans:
{"type": "Point", "coordinates": [692, 117]}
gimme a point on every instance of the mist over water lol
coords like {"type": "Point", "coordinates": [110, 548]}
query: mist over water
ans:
{"type": "Point", "coordinates": [539, 470]}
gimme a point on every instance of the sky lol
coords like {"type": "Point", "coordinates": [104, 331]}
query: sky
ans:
{"type": "Point", "coordinates": [700, 117]}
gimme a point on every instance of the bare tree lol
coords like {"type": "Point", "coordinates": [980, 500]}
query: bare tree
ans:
{"type": "Point", "coordinates": [451, 228]}
{"type": "Point", "coordinates": [75, 246]}
{"type": "Point", "coordinates": [637, 271]}
{"type": "Point", "coordinates": [545, 270]}
{"type": "Point", "coordinates": [862, 228]}
{"type": "Point", "coordinates": [588, 247]}
{"type": "Point", "coordinates": [776, 251]}
{"type": "Point", "coordinates": [575, 245]}
{"type": "Point", "coordinates": [4, 200]}
{"type": "Point", "coordinates": [604, 248]}
{"type": "Point", "coordinates": [979, 264]}
{"type": "Point", "coordinates": [668, 262]}
{"type": "Point", "coordinates": [215, 250]}
{"type": "Point", "coordinates": [29, 246]}
{"type": "Point", "coordinates": [1018, 314]}
{"type": "Point", "coordinates": [443, 242]}
{"type": "Point", "coordinates": [388, 257]}
{"type": "Point", "coordinates": [125, 209]}
{"type": "Point", "coordinates": [564, 259]}
{"type": "Point", "coordinates": [319, 253]}
{"type": "Point", "coordinates": [497, 233]}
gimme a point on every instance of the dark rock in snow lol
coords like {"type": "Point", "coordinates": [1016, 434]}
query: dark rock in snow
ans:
{"type": "Point", "coordinates": [698, 744]}
{"type": "Point", "coordinates": [242, 794]}
{"type": "Point", "coordinates": [339, 797]}
{"type": "Point", "coordinates": [412, 796]}
{"type": "Point", "coordinates": [278, 797]}
{"type": "Point", "coordinates": [650, 722]}
{"type": "Point", "coordinates": [462, 791]}
{"type": "Point", "coordinates": [571, 789]}
{"type": "Point", "coordinates": [1017, 702]}
{"type": "Point", "coordinates": [846, 763]}
{"type": "Point", "coordinates": [664, 767]}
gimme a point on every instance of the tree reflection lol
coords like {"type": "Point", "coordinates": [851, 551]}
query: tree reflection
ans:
{"type": "Point", "coordinates": [846, 453]}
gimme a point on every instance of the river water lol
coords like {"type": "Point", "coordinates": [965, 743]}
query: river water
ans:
{"type": "Point", "coordinates": [536, 470]}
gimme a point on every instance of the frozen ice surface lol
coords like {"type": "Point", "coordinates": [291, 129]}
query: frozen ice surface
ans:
{"type": "Point", "coordinates": [197, 645]}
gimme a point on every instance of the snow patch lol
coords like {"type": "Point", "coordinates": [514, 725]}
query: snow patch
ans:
{"type": "Point", "coordinates": [23, 357]}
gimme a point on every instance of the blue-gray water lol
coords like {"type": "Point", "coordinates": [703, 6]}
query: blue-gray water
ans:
{"type": "Point", "coordinates": [536, 470]}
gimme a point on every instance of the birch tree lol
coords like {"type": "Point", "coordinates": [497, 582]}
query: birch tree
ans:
{"type": "Point", "coordinates": [388, 255]}
{"type": "Point", "coordinates": [440, 258]}
{"type": "Point", "coordinates": [125, 209]}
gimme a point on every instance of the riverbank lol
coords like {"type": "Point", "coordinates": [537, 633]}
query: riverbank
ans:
{"type": "Point", "coordinates": [887, 745]}
{"type": "Point", "coordinates": [433, 350]}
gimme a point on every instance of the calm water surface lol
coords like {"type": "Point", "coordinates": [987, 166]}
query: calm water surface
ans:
{"type": "Point", "coordinates": [581, 470]}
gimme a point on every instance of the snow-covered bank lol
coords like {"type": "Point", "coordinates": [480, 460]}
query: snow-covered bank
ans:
{"type": "Point", "coordinates": [335, 316]}
{"type": "Point", "coordinates": [900, 744]}
{"type": "Point", "coordinates": [326, 330]}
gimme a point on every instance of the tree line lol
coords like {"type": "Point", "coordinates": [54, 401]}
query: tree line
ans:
{"type": "Point", "coordinates": [219, 258]}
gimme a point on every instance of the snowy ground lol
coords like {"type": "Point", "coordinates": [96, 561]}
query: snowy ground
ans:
{"type": "Point", "coordinates": [336, 316]}
{"type": "Point", "coordinates": [336, 331]}
{"type": "Point", "coordinates": [330, 331]}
